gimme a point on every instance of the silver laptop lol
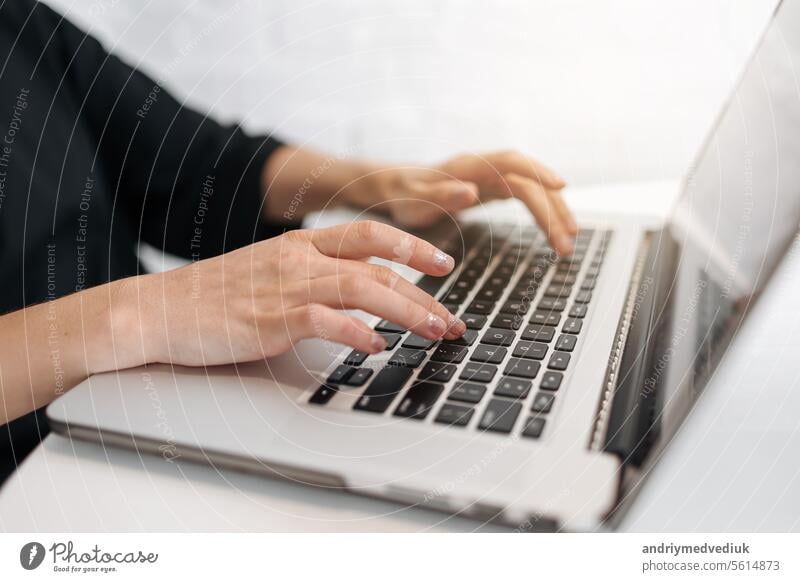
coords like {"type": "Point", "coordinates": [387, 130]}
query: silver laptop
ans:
{"type": "Point", "coordinates": [575, 371]}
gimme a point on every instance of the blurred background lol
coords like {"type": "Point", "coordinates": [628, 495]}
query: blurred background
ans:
{"type": "Point", "coordinates": [604, 91]}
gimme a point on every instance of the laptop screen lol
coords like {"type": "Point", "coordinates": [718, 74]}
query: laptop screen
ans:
{"type": "Point", "coordinates": [737, 215]}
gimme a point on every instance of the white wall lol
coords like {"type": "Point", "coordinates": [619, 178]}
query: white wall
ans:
{"type": "Point", "coordinates": [603, 91]}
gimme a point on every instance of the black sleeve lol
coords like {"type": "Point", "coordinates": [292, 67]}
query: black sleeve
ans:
{"type": "Point", "coordinates": [188, 184]}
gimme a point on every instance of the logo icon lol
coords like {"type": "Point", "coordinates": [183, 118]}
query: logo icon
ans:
{"type": "Point", "coordinates": [31, 555]}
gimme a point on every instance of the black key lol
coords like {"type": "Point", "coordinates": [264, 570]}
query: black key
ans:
{"type": "Point", "coordinates": [500, 415]}
{"type": "Point", "coordinates": [530, 350]}
{"type": "Point", "coordinates": [340, 374]}
{"type": "Point", "coordinates": [569, 268]}
{"type": "Point", "coordinates": [355, 358]}
{"type": "Point", "coordinates": [497, 281]}
{"type": "Point", "coordinates": [416, 342]}
{"type": "Point", "coordinates": [455, 296]}
{"type": "Point", "coordinates": [551, 304]}
{"type": "Point", "coordinates": [564, 279]}
{"type": "Point", "coordinates": [578, 310]}
{"type": "Point", "coordinates": [534, 427]}
{"type": "Point", "coordinates": [473, 320]}
{"type": "Point", "coordinates": [391, 340]}
{"type": "Point", "coordinates": [437, 372]}
{"type": "Point", "coordinates": [522, 368]}
{"type": "Point", "coordinates": [507, 321]}
{"type": "Point", "coordinates": [464, 283]}
{"type": "Point", "coordinates": [451, 307]}
{"type": "Point", "coordinates": [539, 333]}
{"type": "Point", "coordinates": [572, 326]}
{"type": "Point", "coordinates": [454, 415]}
{"type": "Point", "coordinates": [542, 402]}
{"type": "Point", "coordinates": [323, 394]}
{"type": "Point", "coordinates": [524, 293]}
{"type": "Point", "coordinates": [592, 272]}
{"type": "Point", "coordinates": [551, 381]}
{"type": "Point", "coordinates": [588, 284]}
{"type": "Point", "coordinates": [558, 361]}
{"type": "Point", "coordinates": [467, 392]}
{"type": "Point", "coordinates": [504, 271]}
{"type": "Point", "coordinates": [545, 318]}
{"type": "Point", "coordinates": [583, 297]}
{"type": "Point", "coordinates": [498, 337]}
{"type": "Point", "coordinates": [383, 389]}
{"type": "Point", "coordinates": [407, 358]}
{"type": "Point", "coordinates": [489, 294]}
{"type": "Point", "coordinates": [558, 291]}
{"type": "Point", "coordinates": [478, 372]}
{"type": "Point", "coordinates": [390, 327]}
{"type": "Point", "coordinates": [566, 343]}
{"type": "Point", "coordinates": [419, 400]}
{"type": "Point", "coordinates": [467, 339]}
{"type": "Point", "coordinates": [359, 377]}
{"type": "Point", "coordinates": [519, 307]}
{"type": "Point", "coordinates": [450, 353]}
{"type": "Point", "coordinates": [513, 388]}
{"type": "Point", "coordinates": [489, 354]}
{"type": "Point", "coordinates": [481, 307]}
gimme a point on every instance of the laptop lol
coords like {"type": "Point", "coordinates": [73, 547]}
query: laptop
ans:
{"type": "Point", "coordinates": [573, 376]}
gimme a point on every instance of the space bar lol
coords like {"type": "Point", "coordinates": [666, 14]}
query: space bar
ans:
{"type": "Point", "coordinates": [383, 389]}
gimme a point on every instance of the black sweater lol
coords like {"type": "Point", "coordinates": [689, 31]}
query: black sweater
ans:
{"type": "Point", "coordinates": [96, 157]}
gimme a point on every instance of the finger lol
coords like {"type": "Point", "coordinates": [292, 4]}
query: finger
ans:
{"type": "Point", "coordinates": [538, 202]}
{"type": "Point", "coordinates": [368, 238]}
{"type": "Point", "coordinates": [359, 291]}
{"type": "Point", "coordinates": [389, 278]}
{"type": "Point", "coordinates": [557, 200]}
{"type": "Point", "coordinates": [517, 163]}
{"type": "Point", "coordinates": [319, 321]}
{"type": "Point", "coordinates": [448, 195]}
{"type": "Point", "coordinates": [383, 275]}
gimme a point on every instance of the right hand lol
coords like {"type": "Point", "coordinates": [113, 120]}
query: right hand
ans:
{"type": "Point", "coordinates": [258, 301]}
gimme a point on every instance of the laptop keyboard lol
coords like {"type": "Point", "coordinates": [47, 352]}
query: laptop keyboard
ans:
{"type": "Point", "coordinates": [524, 309]}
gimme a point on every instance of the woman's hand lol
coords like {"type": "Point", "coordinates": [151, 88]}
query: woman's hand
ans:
{"type": "Point", "coordinates": [258, 301]}
{"type": "Point", "coordinates": [300, 181]}
{"type": "Point", "coordinates": [419, 197]}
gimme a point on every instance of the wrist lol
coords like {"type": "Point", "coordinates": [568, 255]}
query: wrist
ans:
{"type": "Point", "coordinates": [126, 327]}
{"type": "Point", "coordinates": [368, 185]}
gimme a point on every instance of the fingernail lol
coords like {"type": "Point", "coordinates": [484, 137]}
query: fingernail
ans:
{"type": "Point", "coordinates": [377, 343]}
{"type": "Point", "coordinates": [443, 260]}
{"type": "Point", "coordinates": [573, 226]}
{"type": "Point", "coordinates": [456, 326]}
{"type": "Point", "coordinates": [436, 324]}
{"type": "Point", "coordinates": [564, 244]}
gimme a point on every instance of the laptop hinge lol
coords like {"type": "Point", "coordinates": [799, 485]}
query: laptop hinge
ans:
{"type": "Point", "coordinates": [623, 426]}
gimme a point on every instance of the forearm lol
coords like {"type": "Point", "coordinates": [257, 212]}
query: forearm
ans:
{"type": "Point", "coordinates": [51, 347]}
{"type": "Point", "coordinates": [300, 181]}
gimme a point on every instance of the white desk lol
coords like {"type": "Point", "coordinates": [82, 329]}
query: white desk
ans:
{"type": "Point", "coordinates": [733, 466]}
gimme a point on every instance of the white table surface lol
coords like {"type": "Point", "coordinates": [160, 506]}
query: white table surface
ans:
{"type": "Point", "coordinates": [733, 467]}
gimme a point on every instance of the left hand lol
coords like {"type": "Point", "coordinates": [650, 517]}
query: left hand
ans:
{"type": "Point", "coordinates": [419, 197]}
